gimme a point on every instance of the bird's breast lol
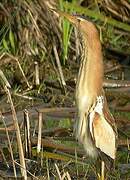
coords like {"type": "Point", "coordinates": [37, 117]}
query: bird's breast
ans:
{"type": "Point", "coordinates": [82, 102]}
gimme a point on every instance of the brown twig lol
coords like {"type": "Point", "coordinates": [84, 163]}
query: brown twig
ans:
{"type": "Point", "coordinates": [27, 134]}
{"type": "Point", "coordinates": [39, 132]}
{"type": "Point", "coordinates": [19, 65]}
{"type": "Point", "coordinates": [37, 80]}
{"type": "Point", "coordinates": [116, 83]}
{"type": "Point", "coordinates": [19, 141]}
{"type": "Point", "coordinates": [10, 148]}
{"type": "Point", "coordinates": [59, 66]}
{"type": "Point", "coordinates": [113, 69]}
{"type": "Point", "coordinates": [48, 142]}
{"type": "Point", "coordinates": [123, 142]}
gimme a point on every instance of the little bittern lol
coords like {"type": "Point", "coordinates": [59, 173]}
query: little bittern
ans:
{"type": "Point", "coordinates": [95, 127]}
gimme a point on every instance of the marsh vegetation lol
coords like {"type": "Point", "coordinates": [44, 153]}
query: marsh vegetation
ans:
{"type": "Point", "coordinates": [39, 62]}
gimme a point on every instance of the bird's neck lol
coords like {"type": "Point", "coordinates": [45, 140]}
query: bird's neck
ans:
{"type": "Point", "coordinates": [93, 50]}
{"type": "Point", "coordinates": [90, 78]}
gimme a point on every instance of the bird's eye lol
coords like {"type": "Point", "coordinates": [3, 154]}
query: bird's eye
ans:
{"type": "Point", "coordinates": [80, 19]}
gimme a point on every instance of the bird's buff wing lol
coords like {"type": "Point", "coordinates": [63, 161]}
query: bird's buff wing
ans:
{"type": "Point", "coordinates": [103, 134]}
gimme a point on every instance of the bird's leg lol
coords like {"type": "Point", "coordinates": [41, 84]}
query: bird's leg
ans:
{"type": "Point", "coordinates": [102, 170]}
{"type": "Point", "coordinates": [104, 166]}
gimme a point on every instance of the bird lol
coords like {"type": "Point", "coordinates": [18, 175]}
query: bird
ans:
{"type": "Point", "coordinates": [95, 126]}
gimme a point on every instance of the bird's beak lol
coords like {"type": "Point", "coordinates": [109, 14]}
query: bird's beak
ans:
{"type": "Point", "coordinates": [71, 18]}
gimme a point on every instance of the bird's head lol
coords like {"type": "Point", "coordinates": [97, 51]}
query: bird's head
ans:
{"type": "Point", "coordinates": [83, 24]}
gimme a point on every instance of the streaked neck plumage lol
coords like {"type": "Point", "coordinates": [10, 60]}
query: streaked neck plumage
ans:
{"type": "Point", "coordinates": [90, 78]}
